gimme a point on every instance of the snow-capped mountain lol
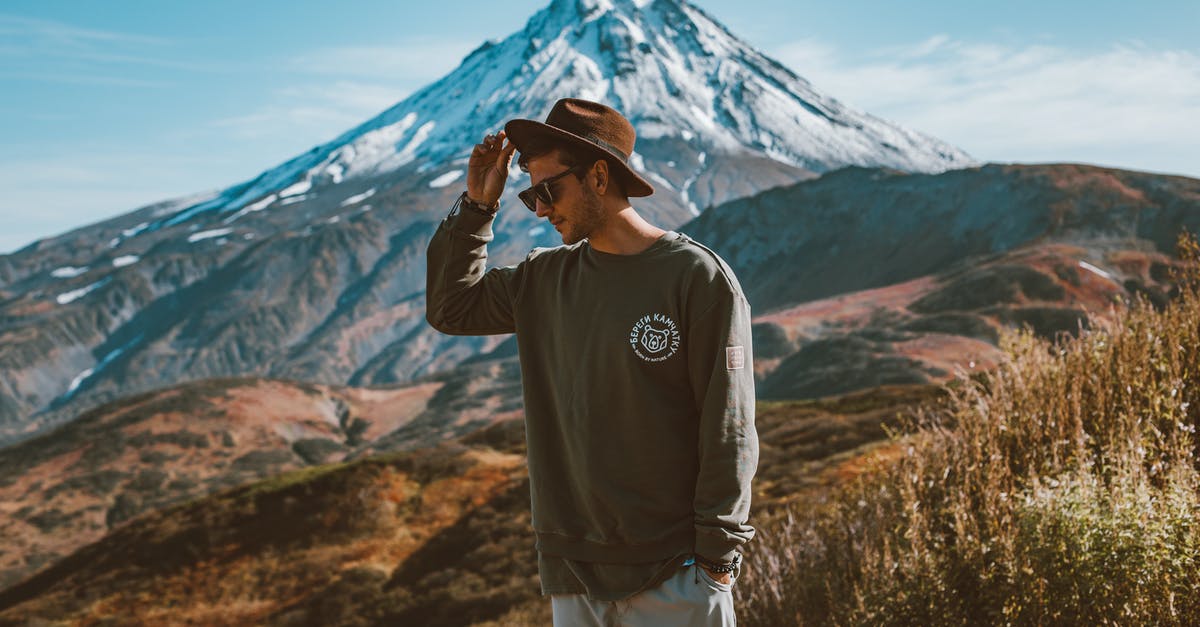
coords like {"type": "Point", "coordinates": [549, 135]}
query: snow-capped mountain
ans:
{"type": "Point", "coordinates": [314, 269]}
{"type": "Point", "coordinates": [669, 67]}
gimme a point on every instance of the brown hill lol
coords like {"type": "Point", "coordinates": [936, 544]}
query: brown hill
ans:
{"type": "Point", "coordinates": [435, 536]}
{"type": "Point", "coordinates": [927, 329]}
{"type": "Point", "coordinates": [71, 486]}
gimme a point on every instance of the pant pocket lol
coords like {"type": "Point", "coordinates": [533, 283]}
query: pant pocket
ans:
{"type": "Point", "coordinates": [713, 583]}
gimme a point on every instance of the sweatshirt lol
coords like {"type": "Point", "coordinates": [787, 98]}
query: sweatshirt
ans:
{"type": "Point", "coordinates": [638, 388]}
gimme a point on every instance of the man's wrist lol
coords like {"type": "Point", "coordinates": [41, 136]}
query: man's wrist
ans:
{"type": "Point", "coordinates": [719, 567]}
{"type": "Point", "coordinates": [482, 207]}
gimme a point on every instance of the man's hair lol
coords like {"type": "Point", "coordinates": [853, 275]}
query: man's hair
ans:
{"type": "Point", "coordinates": [568, 155]}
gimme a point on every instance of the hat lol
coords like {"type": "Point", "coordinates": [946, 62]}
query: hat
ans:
{"type": "Point", "coordinates": [588, 125]}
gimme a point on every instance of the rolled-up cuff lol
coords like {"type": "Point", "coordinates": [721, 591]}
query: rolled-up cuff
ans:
{"type": "Point", "coordinates": [472, 222]}
{"type": "Point", "coordinates": [715, 545]}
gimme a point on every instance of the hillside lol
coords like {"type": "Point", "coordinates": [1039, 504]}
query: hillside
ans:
{"type": "Point", "coordinates": [433, 536]}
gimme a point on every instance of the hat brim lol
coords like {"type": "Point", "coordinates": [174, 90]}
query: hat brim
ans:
{"type": "Point", "coordinates": [521, 131]}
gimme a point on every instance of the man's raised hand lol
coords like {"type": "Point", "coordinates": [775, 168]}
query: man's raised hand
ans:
{"type": "Point", "coordinates": [487, 170]}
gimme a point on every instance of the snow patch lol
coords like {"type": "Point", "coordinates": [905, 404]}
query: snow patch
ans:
{"type": "Point", "coordinates": [1093, 269]}
{"type": "Point", "coordinates": [74, 295]}
{"type": "Point", "coordinates": [260, 205]}
{"type": "Point", "coordinates": [537, 230]}
{"type": "Point", "coordinates": [67, 272]}
{"type": "Point", "coordinates": [293, 200]}
{"type": "Point", "coordinates": [409, 152]}
{"type": "Point", "coordinates": [79, 378]}
{"type": "Point", "coordinates": [86, 374]}
{"type": "Point", "coordinates": [335, 171]}
{"type": "Point", "coordinates": [703, 117]}
{"type": "Point", "coordinates": [125, 260]}
{"type": "Point", "coordinates": [127, 233]}
{"type": "Point", "coordinates": [358, 198]}
{"type": "Point", "coordinates": [295, 189]}
{"type": "Point", "coordinates": [657, 178]}
{"type": "Point", "coordinates": [251, 208]}
{"type": "Point", "coordinates": [195, 237]}
{"type": "Point", "coordinates": [446, 179]}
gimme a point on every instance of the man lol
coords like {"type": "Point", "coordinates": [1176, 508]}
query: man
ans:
{"type": "Point", "coordinates": [635, 357]}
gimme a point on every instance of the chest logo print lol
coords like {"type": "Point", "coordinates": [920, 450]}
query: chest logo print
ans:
{"type": "Point", "coordinates": [654, 337]}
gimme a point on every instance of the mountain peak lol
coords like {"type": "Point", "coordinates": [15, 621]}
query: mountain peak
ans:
{"type": "Point", "coordinates": [594, 8]}
{"type": "Point", "coordinates": [675, 72]}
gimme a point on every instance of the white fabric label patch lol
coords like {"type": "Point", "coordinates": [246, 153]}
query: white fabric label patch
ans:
{"type": "Point", "coordinates": [735, 357]}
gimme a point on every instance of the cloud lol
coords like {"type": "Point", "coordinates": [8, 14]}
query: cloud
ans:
{"type": "Point", "coordinates": [59, 34]}
{"type": "Point", "coordinates": [418, 60]}
{"type": "Point", "coordinates": [1127, 105]}
{"type": "Point", "coordinates": [337, 88]}
{"type": "Point", "coordinates": [313, 110]}
{"type": "Point", "coordinates": [47, 51]}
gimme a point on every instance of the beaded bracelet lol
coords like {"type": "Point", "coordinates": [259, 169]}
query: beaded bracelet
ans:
{"type": "Point", "coordinates": [720, 567]}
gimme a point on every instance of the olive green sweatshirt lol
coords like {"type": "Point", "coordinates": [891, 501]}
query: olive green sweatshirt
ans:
{"type": "Point", "coordinates": [638, 388]}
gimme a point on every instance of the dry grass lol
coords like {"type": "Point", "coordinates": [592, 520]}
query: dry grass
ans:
{"type": "Point", "coordinates": [1062, 488]}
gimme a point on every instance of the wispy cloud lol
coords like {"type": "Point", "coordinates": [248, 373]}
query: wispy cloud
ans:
{"type": "Point", "coordinates": [1127, 105]}
{"type": "Point", "coordinates": [49, 195]}
{"type": "Point", "coordinates": [419, 59]}
{"type": "Point", "coordinates": [60, 34]}
{"type": "Point", "coordinates": [56, 52]}
{"type": "Point", "coordinates": [337, 88]}
{"type": "Point", "coordinates": [83, 79]}
{"type": "Point", "coordinates": [314, 110]}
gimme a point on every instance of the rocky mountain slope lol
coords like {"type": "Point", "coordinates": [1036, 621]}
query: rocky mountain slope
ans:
{"type": "Point", "coordinates": [863, 228]}
{"type": "Point", "coordinates": [849, 230]}
{"type": "Point", "coordinates": [313, 269]}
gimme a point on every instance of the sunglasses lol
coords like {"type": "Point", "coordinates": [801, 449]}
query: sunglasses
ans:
{"type": "Point", "coordinates": [542, 191]}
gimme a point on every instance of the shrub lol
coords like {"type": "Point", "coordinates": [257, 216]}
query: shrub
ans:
{"type": "Point", "coordinates": [1060, 488]}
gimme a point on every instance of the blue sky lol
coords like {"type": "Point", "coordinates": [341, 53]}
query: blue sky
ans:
{"type": "Point", "coordinates": [107, 106]}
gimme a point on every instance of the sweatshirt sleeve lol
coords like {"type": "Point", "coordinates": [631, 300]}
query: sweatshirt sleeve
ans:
{"type": "Point", "coordinates": [460, 297]}
{"type": "Point", "coordinates": [722, 374]}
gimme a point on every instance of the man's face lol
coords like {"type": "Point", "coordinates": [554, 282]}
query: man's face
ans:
{"type": "Point", "coordinates": [577, 211]}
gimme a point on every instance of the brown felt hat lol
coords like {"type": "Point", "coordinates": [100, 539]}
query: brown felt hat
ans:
{"type": "Point", "coordinates": [592, 126]}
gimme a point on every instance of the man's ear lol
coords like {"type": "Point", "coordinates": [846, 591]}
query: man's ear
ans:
{"type": "Point", "coordinates": [601, 170]}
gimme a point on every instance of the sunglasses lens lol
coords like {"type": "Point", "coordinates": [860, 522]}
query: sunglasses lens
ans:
{"type": "Point", "coordinates": [543, 194]}
{"type": "Point", "coordinates": [529, 199]}
{"type": "Point", "coordinates": [541, 191]}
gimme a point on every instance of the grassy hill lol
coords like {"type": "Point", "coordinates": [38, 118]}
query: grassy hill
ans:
{"type": "Point", "coordinates": [1061, 487]}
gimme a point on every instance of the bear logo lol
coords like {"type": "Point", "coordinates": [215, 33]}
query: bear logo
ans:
{"type": "Point", "coordinates": [654, 337]}
{"type": "Point", "coordinates": [654, 340]}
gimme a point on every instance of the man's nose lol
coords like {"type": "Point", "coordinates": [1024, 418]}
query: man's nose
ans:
{"type": "Point", "coordinates": [542, 209]}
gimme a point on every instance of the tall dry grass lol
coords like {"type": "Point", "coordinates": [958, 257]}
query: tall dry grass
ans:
{"type": "Point", "coordinates": [1061, 488]}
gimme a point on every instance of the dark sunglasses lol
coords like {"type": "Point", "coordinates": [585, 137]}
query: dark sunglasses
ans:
{"type": "Point", "coordinates": [542, 191]}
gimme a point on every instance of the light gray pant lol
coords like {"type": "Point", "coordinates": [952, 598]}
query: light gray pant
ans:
{"type": "Point", "coordinates": [688, 599]}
